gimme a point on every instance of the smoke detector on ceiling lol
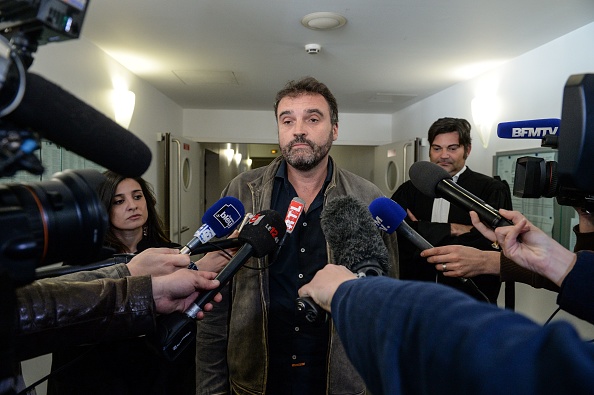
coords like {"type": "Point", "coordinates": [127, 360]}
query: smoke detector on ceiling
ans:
{"type": "Point", "coordinates": [313, 48]}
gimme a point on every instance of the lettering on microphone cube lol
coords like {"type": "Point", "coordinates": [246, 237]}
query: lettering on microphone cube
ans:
{"type": "Point", "coordinates": [293, 213]}
{"type": "Point", "coordinates": [205, 233]}
{"type": "Point", "coordinates": [227, 216]}
{"type": "Point", "coordinates": [379, 223]}
{"type": "Point", "coordinates": [534, 132]}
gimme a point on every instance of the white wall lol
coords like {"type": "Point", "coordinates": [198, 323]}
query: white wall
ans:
{"type": "Point", "coordinates": [222, 126]}
{"type": "Point", "coordinates": [530, 86]}
{"type": "Point", "coordinates": [87, 72]}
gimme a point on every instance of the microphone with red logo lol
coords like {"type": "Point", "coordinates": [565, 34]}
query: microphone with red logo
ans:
{"type": "Point", "coordinates": [293, 213]}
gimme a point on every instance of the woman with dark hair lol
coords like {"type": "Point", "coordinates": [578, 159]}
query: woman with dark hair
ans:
{"type": "Point", "coordinates": [130, 366]}
{"type": "Point", "coordinates": [134, 222]}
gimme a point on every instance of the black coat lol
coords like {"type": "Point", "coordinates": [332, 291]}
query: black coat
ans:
{"type": "Point", "coordinates": [494, 192]}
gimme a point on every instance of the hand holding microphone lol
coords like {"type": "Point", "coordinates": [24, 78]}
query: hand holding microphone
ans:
{"type": "Point", "coordinates": [322, 287]}
{"type": "Point", "coordinates": [355, 243]}
{"type": "Point", "coordinates": [261, 234]}
{"type": "Point", "coordinates": [389, 217]}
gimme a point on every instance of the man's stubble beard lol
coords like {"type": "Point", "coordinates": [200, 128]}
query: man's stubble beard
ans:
{"type": "Point", "coordinates": [306, 161]}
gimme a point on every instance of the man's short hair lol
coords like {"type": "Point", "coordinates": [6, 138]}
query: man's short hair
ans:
{"type": "Point", "coordinates": [308, 85]}
{"type": "Point", "coordinates": [449, 125]}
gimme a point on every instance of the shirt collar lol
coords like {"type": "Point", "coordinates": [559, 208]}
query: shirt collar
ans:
{"type": "Point", "coordinates": [455, 178]}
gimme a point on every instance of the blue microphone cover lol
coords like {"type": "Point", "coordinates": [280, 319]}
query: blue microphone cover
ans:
{"type": "Point", "coordinates": [387, 214]}
{"type": "Point", "coordinates": [529, 129]}
{"type": "Point", "coordinates": [224, 215]}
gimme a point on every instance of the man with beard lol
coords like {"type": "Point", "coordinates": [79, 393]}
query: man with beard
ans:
{"type": "Point", "coordinates": [443, 224]}
{"type": "Point", "coordinates": [254, 342]}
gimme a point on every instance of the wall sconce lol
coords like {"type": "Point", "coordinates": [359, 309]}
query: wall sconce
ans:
{"type": "Point", "coordinates": [229, 154]}
{"type": "Point", "coordinates": [123, 105]}
{"type": "Point", "coordinates": [237, 158]}
{"type": "Point", "coordinates": [485, 109]}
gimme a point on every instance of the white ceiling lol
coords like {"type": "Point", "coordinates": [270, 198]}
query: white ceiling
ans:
{"type": "Point", "coordinates": [389, 54]}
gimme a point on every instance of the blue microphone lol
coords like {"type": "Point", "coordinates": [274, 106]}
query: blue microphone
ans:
{"type": "Point", "coordinates": [389, 217]}
{"type": "Point", "coordinates": [218, 221]}
{"type": "Point", "coordinates": [530, 129]}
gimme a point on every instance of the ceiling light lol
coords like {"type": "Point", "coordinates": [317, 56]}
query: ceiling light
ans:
{"type": "Point", "coordinates": [323, 21]}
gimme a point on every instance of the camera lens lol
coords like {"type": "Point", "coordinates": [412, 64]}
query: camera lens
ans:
{"type": "Point", "coordinates": [51, 221]}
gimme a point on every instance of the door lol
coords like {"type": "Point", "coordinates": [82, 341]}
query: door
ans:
{"type": "Point", "coordinates": [393, 160]}
{"type": "Point", "coordinates": [182, 168]}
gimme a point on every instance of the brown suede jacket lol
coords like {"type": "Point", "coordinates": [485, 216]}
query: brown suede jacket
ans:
{"type": "Point", "coordinates": [232, 349]}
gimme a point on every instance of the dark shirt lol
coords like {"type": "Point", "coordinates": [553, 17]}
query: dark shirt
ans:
{"type": "Point", "coordinates": [297, 349]}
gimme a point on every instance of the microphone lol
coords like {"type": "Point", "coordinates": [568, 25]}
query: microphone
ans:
{"type": "Point", "coordinates": [530, 129]}
{"type": "Point", "coordinates": [355, 242]}
{"type": "Point", "coordinates": [433, 181]}
{"type": "Point", "coordinates": [353, 237]}
{"type": "Point", "coordinates": [389, 217]}
{"type": "Point", "coordinates": [293, 213]}
{"type": "Point", "coordinates": [261, 235]}
{"type": "Point", "coordinates": [67, 121]}
{"type": "Point", "coordinates": [218, 221]}
{"type": "Point", "coordinates": [211, 246]}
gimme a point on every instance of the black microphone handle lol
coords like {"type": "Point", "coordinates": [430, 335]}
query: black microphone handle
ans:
{"type": "Point", "coordinates": [460, 197]}
{"type": "Point", "coordinates": [176, 331]}
{"type": "Point", "coordinates": [216, 246]}
{"type": "Point", "coordinates": [411, 235]}
{"type": "Point", "coordinates": [224, 276]}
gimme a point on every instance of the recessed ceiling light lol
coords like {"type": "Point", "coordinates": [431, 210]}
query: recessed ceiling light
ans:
{"type": "Point", "coordinates": [323, 21]}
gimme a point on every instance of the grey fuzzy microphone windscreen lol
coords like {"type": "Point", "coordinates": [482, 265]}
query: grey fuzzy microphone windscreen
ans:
{"type": "Point", "coordinates": [352, 235]}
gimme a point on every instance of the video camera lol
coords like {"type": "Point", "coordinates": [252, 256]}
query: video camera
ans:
{"type": "Point", "coordinates": [50, 221]}
{"type": "Point", "coordinates": [570, 179]}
